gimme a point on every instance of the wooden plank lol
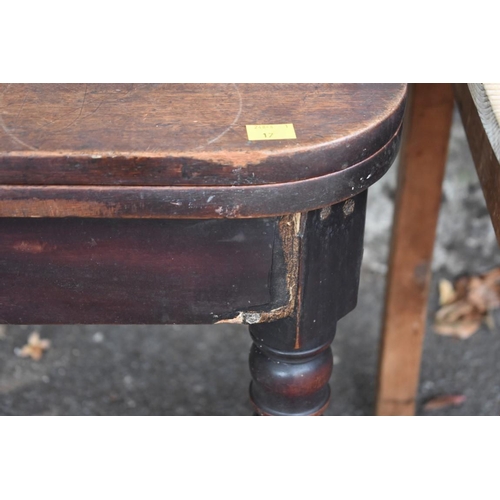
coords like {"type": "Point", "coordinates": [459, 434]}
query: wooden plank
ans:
{"type": "Point", "coordinates": [423, 158]}
{"type": "Point", "coordinates": [85, 271]}
{"type": "Point", "coordinates": [483, 133]}
{"type": "Point", "coordinates": [189, 134]}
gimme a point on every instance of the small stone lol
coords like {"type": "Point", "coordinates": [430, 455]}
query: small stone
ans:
{"type": "Point", "coordinates": [428, 385]}
{"type": "Point", "coordinates": [98, 337]}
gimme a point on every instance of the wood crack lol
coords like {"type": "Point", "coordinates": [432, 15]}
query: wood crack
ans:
{"type": "Point", "coordinates": [290, 229]}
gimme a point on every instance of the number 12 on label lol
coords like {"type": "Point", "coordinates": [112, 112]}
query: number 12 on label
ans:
{"type": "Point", "coordinates": [271, 132]}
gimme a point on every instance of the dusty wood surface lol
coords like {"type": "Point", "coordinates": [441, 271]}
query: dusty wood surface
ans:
{"type": "Point", "coordinates": [423, 158]}
{"type": "Point", "coordinates": [189, 134]}
{"type": "Point", "coordinates": [482, 147]}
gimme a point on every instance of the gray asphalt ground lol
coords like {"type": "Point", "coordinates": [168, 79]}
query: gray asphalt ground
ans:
{"type": "Point", "coordinates": [203, 370]}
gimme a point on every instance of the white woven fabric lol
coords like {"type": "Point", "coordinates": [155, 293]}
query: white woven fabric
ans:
{"type": "Point", "coordinates": [486, 97]}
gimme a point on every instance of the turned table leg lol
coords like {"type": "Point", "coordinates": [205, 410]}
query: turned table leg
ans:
{"type": "Point", "coordinates": [291, 359]}
{"type": "Point", "coordinates": [289, 381]}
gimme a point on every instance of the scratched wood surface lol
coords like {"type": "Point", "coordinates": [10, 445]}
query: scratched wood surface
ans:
{"type": "Point", "coordinates": [70, 271]}
{"type": "Point", "coordinates": [188, 134]}
{"type": "Point", "coordinates": [194, 202]}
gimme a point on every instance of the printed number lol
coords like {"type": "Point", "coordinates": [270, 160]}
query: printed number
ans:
{"type": "Point", "coordinates": [268, 135]}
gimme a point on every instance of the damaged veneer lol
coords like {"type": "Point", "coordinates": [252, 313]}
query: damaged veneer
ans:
{"type": "Point", "coordinates": [290, 232]}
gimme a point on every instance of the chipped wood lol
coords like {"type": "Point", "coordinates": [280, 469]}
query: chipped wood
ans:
{"type": "Point", "coordinates": [196, 202]}
{"type": "Point", "coordinates": [290, 230]}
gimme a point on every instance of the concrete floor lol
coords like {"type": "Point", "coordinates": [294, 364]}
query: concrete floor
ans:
{"type": "Point", "coordinates": [193, 370]}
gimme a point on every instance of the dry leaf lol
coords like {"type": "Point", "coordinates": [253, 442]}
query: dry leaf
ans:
{"type": "Point", "coordinates": [457, 311]}
{"type": "Point", "coordinates": [468, 304]}
{"type": "Point", "coordinates": [490, 321]}
{"type": "Point", "coordinates": [441, 402]}
{"type": "Point", "coordinates": [34, 348]}
{"type": "Point", "coordinates": [461, 287]}
{"type": "Point", "coordinates": [446, 292]}
{"type": "Point", "coordinates": [459, 329]}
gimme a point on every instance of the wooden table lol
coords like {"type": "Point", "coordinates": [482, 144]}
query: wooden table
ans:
{"type": "Point", "coordinates": [152, 204]}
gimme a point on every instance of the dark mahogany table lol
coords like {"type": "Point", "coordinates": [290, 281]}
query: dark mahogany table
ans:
{"type": "Point", "coordinates": [199, 203]}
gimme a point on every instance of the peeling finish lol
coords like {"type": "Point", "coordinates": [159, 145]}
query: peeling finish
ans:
{"type": "Point", "coordinates": [235, 159]}
{"type": "Point", "coordinates": [298, 291]}
{"type": "Point", "coordinates": [325, 213]}
{"type": "Point", "coordinates": [291, 230]}
{"type": "Point", "coordinates": [247, 201]}
{"type": "Point", "coordinates": [243, 318]}
{"type": "Point", "coordinates": [30, 247]}
{"type": "Point", "coordinates": [57, 208]}
{"type": "Point", "coordinates": [348, 207]}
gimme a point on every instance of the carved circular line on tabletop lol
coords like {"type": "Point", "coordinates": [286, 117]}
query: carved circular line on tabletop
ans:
{"type": "Point", "coordinates": [183, 202]}
{"type": "Point", "coordinates": [189, 134]}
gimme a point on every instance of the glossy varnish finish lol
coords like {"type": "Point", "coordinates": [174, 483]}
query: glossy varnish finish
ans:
{"type": "Point", "coordinates": [70, 271]}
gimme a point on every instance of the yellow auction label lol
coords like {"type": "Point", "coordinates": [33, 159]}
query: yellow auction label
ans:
{"type": "Point", "coordinates": [271, 132]}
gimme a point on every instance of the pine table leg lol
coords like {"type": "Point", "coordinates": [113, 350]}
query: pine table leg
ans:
{"type": "Point", "coordinates": [422, 164]}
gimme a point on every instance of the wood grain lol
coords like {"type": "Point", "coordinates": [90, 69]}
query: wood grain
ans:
{"type": "Point", "coordinates": [84, 271]}
{"type": "Point", "coordinates": [189, 134]}
{"type": "Point", "coordinates": [481, 146]}
{"type": "Point", "coordinates": [423, 158]}
{"type": "Point", "coordinates": [213, 202]}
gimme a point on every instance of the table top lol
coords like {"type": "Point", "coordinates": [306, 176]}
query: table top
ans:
{"type": "Point", "coordinates": [190, 135]}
